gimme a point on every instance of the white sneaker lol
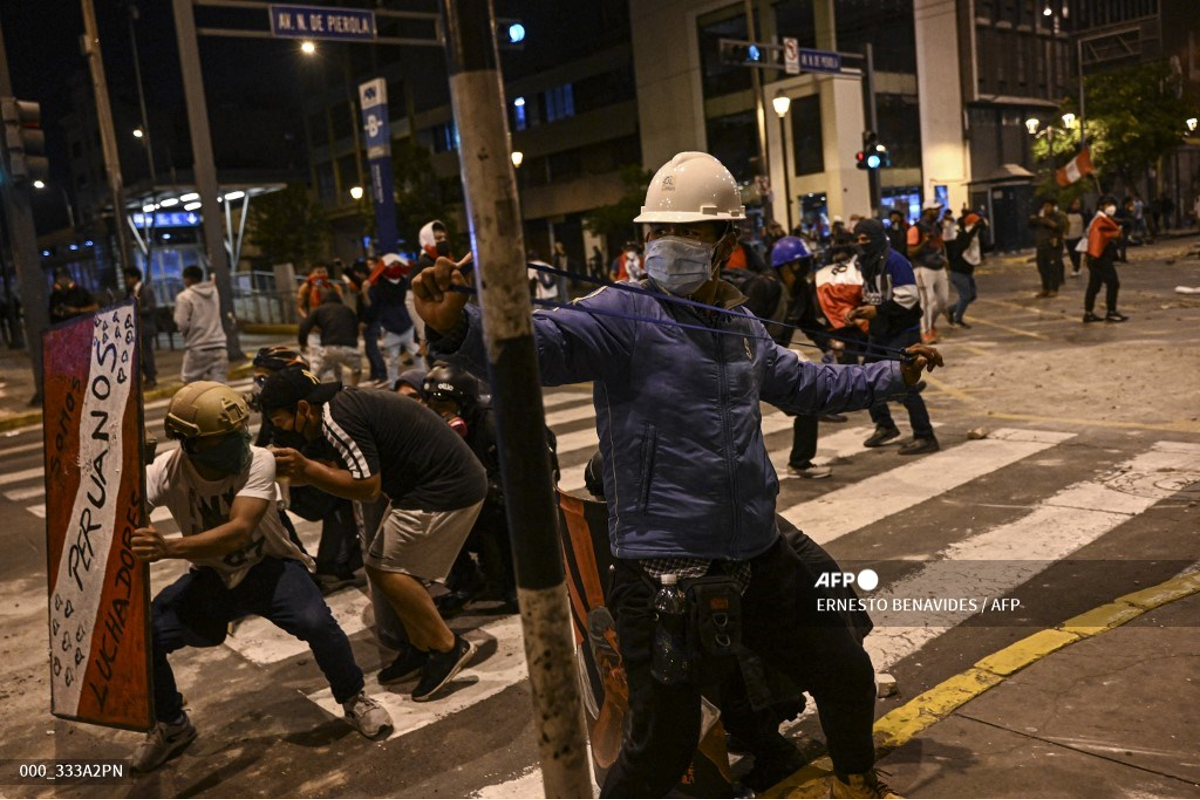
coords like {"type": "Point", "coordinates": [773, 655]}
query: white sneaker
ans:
{"type": "Point", "coordinates": [162, 743]}
{"type": "Point", "coordinates": [367, 717]}
{"type": "Point", "coordinates": [812, 471]}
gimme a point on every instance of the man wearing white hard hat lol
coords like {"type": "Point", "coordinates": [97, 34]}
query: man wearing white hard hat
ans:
{"type": "Point", "coordinates": [691, 487]}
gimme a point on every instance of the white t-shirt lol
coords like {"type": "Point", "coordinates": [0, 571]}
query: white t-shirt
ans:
{"type": "Point", "coordinates": [199, 505]}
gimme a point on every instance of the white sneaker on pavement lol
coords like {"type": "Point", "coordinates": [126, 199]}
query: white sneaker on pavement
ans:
{"type": "Point", "coordinates": [367, 717]}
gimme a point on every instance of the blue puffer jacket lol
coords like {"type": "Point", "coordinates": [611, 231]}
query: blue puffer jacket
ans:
{"type": "Point", "coordinates": [686, 472]}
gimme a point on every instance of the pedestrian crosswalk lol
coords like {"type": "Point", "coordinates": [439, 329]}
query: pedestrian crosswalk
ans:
{"type": "Point", "coordinates": [1035, 496]}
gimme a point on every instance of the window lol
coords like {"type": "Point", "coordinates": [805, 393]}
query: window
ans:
{"type": "Point", "coordinates": [606, 89]}
{"type": "Point", "coordinates": [559, 103]}
{"type": "Point", "coordinates": [519, 118]}
{"type": "Point", "coordinates": [808, 144]}
{"type": "Point", "coordinates": [733, 140]}
{"type": "Point", "coordinates": [717, 78]}
{"type": "Point", "coordinates": [900, 128]}
{"type": "Point", "coordinates": [326, 188]}
{"type": "Point", "coordinates": [347, 169]}
{"type": "Point", "coordinates": [888, 24]}
{"type": "Point", "coordinates": [445, 137]}
{"type": "Point", "coordinates": [318, 129]}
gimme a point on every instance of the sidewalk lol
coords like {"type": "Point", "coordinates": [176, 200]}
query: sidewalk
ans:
{"type": "Point", "coordinates": [1104, 705]}
{"type": "Point", "coordinates": [16, 376]}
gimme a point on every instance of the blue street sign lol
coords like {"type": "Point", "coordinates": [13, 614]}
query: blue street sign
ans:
{"type": "Point", "coordinates": [320, 22]}
{"type": "Point", "coordinates": [820, 60]}
{"type": "Point", "coordinates": [372, 96]}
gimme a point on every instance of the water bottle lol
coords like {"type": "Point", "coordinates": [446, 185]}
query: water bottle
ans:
{"type": "Point", "coordinates": [670, 665]}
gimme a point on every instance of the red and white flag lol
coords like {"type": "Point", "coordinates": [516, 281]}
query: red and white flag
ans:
{"type": "Point", "coordinates": [1078, 167]}
{"type": "Point", "coordinates": [95, 489]}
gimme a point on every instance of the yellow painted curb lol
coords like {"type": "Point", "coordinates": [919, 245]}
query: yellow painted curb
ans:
{"type": "Point", "coordinates": [1098, 620]}
{"type": "Point", "coordinates": [1164, 593]}
{"type": "Point", "coordinates": [1019, 655]}
{"type": "Point", "coordinates": [900, 725]}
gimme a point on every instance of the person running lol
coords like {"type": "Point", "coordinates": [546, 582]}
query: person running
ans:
{"type": "Point", "coordinates": [692, 486]}
{"type": "Point", "coordinates": [927, 251]}
{"type": "Point", "coordinates": [1103, 236]}
{"type": "Point", "coordinates": [221, 492]}
{"type": "Point", "coordinates": [388, 444]}
{"type": "Point", "coordinates": [338, 326]}
{"type": "Point", "coordinates": [967, 255]}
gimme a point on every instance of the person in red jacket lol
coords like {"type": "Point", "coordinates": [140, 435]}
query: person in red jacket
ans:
{"type": "Point", "coordinates": [1102, 235]}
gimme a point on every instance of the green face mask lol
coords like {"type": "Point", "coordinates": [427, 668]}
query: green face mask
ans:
{"type": "Point", "coordinates": [229, 456]}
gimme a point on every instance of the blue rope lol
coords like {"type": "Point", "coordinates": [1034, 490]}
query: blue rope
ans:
{"type": "Point", "coordinates": [553, 304]}
{"type": "Point", "coordinates": [670, 298]}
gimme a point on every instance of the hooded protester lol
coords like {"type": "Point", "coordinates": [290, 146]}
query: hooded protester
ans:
{"type": "Point", "coordinates": [434, 241]}
{"type": "Point", "coordinates": [198, 317]}
{"type": "Point", "coordinates": [411, 383]}
{"type": "Point", "coordinates": [891, 305]}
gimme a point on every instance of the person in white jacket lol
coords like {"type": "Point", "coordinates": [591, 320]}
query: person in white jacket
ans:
{"type": "Point", "coordinates": [198, 317]}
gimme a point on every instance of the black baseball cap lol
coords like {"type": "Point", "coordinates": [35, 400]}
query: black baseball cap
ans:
{"type": "Point", "coordinates": [289, 386]}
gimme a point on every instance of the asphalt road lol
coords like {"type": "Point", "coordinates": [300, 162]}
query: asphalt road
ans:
{"type": "Point", "coordinates": [1084, 486]}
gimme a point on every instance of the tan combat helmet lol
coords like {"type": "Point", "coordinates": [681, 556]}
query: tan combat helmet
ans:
{"type": "Point", "coordinates": [205, 409]}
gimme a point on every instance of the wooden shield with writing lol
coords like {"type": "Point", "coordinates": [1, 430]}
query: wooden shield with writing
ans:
{"type": "Point", "coordinates": [584, 531]}
{"type": "Point", "coordinates": [99, 615]}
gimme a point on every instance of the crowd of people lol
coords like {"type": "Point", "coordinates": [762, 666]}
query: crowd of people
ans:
{"type": "Point", "coordinates": [401, 469]}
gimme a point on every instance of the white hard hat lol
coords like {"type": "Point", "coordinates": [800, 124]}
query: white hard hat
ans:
{"type": "Point", "coordinates": [692, 187]}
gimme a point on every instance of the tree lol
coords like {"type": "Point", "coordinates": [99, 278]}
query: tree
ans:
{"type": "Point", "coordinates": [289, 226]}
{"type": "Point", "coordinates": [421, 195]}
{"type": "Point", "coordinates": [1135, 116]}
{"type": "Point", "coordinates": [616, 220]}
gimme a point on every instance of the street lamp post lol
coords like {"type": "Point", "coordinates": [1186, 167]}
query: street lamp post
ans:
{"type": "Point", "coordinates": [782, 103]}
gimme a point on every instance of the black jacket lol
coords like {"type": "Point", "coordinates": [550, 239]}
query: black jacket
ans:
{"type": "Point", "coordinates": [338, 324]}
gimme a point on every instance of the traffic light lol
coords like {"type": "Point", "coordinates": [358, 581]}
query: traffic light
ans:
{"type": "Point", "coordinates": [510, 33]}
{"type": "Point", "coordinates": [744, 54]}
{"type": "Point", "coordinates": [24, 140]}
{"type": "Point", "coordinates": [873, 155]}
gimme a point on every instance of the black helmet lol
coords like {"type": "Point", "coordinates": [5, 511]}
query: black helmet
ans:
{"type": "Point", "coordinates": [447, 381]}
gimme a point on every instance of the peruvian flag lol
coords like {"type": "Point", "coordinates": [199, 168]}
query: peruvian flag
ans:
{"type": "Point", "coordinates": [1078, 167]}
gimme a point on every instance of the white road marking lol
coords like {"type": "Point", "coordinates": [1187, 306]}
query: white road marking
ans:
{"type": "Point", "coordinates": [1016, 551]}
{"type": "Point", "coordinates": [841, 511]}
{"type": "Point", "coordinates": [478, 681]}
{"type": "Point", "coordinates": [22, 476]}
{"type": "Point", "coordinates": [28, 493]}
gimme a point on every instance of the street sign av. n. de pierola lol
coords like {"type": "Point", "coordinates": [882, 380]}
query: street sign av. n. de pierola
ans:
{"type": "Point", "coordinates": [820, 60]}
{"type": "Point", "coordinates": [322, 22]}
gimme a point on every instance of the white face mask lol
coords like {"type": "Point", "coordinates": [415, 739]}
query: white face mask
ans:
{"type": "Point", "coordinates": [1110, 210]}
{"type": "Point", "coordinates": [679, 265]}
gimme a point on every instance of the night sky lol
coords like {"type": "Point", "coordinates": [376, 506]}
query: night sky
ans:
{"type": "Point", "coordinates": [42, 39]}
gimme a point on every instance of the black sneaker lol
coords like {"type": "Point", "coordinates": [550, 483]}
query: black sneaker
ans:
{"type": "Point", "coordinates": [962, 323]}
{"type": "Point", "coordinates": [451, 604]}
{"type": "Point", "coordinates": [1115, 316]}
{"type": "Point", "coordinates": [919, 445]}
{"type": "Point", "coordinates": [441, 667]}
{"type": "Point", "coordinates": [407, 666]}
{"type": "Point", "coordinates": [834, 418]}
{"type": "Point", "coordinates": [881, 436]}
{"type": "Point", "coordinates": [1090, 317]}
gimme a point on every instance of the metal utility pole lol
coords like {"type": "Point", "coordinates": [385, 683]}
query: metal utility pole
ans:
{"type": "Point", "coordinates": [18, 209]}
{"type": "Point", "coordinates": [108, 136]}
{"type": "Point", "coordinates": [874, 180]}
{"type": "Point", "coordinates": [204, 169]}
{"type": "Point", "coordinates": [477, 96]}
{"type": "Point", "coordinates": [760, 111]}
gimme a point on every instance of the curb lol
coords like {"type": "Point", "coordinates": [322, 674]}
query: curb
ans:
{"type": "Point", "coordinates": [901, 725]}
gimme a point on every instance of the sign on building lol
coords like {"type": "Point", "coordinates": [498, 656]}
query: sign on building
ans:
{"type": "Point", "coordinates": [791, 56]}
{"type": "Point", "coordinates": [99, 616]}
